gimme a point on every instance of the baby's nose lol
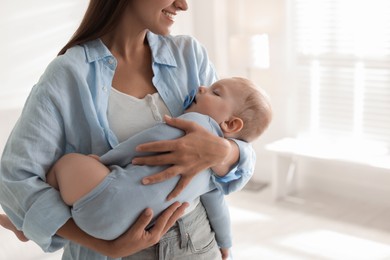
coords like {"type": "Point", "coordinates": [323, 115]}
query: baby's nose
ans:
{"type": "Point", "coordinates": [202, 89]}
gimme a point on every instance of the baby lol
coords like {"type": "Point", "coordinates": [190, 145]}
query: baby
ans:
{"type": "Point", "coordinates": [96, 187]}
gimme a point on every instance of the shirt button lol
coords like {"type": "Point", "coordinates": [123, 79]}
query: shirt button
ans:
{"type": "Point", "coordinates": [104, 89]}
{"type": "Point", "coordinates": [111, 61]}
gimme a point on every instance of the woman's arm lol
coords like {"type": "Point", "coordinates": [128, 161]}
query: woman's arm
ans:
{"type": "Point", "coordinates": [196, 151]}
{"type": "Point", "coordinates": [135, 239]}
{"type": "Point", "coordinates": [125, 152]}
{"type": "Point", "coordinates": [43, 133]}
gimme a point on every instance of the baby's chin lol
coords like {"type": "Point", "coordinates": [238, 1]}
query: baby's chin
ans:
{"type": "Point", "coordinates": [190, 109]}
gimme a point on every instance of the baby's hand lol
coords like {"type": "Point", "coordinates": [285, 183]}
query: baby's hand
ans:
{"type": "Point", "coordinates": [224, 253]}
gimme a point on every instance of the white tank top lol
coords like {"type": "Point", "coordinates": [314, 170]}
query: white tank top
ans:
{"type": "Point", "coordinates": [128, 115]}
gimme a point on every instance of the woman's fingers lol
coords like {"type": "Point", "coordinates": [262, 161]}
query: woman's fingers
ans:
{"type": "Point", "coordinates": [166, 220]}
{"type": "Point", "coordinates": [137, 237]}
{"type": "Point", "coordinates": [188, 155]}
{"type": "Point", "coordinates": [158, 146]}
{"type": "Point", "coordinates": [161, 159]}
{"type": "Point", "coordinates": [171, 172]}
{"type": "Point", "coordinates": [183, 182]}
{"type": "Point", "coordinates": [173, 145]}
{"type": "Point", "coordinates": [175, 216]}
{"type": "Point", "coordinates": [167, 174]}
{"type": "Point", "coordinates": [162, 176]}
{"type": "Point", "coordinates": [143, 220]}
{"type": "Point", "coordinates": [185, 125]}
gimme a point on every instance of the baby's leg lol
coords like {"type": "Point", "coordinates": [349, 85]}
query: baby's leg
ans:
{"type": "Point", "coordinates": [6, 223]}
{"type": "Point", "coordinates": [74, 175]}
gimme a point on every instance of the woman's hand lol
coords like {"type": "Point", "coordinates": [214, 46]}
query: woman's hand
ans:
{"type": "Point", "coordinates": [196, 151]}
{"type": "Point", "coordinates": [135, 239]}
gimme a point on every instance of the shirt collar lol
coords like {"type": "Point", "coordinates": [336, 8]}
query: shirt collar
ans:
{"type": "Point", "coordinates": [160, 47]}
{"type": "Point", "coordinates": [161, 51]}
{"type": "Point", "coordinates": [96, 50]}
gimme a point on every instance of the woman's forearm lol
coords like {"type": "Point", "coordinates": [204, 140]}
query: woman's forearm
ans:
{"type": "Point", "coordinates": [233, 155]}
{"type": "Point", "coordinates": [200, 148]}
{"type": "Point", "coordinates": [72, 232]}
{"type": "Point", "coordinates": [135, 239]}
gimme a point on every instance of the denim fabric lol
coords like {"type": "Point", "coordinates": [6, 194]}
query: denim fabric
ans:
{"type": "Point", "coordinates": [191, 238]}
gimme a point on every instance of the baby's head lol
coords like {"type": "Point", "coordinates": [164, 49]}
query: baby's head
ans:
{"type": "Point", "coordinates": [241, 110]}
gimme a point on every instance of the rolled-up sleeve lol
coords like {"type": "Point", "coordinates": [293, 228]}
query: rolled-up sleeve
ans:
{"type": "Point", "coordinates": [241, 173]}
{"type": "Point", "coordinates": [34, 144]}
{"type": "Point", "coordinates": [65, 112]}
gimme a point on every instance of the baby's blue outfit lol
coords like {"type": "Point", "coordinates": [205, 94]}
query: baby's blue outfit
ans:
{"type": "Point", "coordinates": [66, 112]}
{"type": "Point", "coordinates": [112, 207]}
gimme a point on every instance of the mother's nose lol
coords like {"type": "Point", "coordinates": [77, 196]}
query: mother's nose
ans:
{"type": "Point", "coordinates": [181, 4]}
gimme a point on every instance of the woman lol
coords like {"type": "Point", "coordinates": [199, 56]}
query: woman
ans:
{"type": "Point", "coordinates": [119, 62]}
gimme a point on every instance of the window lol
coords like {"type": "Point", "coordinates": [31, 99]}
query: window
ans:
{"type": "Point", "coordinates": [341, 66]}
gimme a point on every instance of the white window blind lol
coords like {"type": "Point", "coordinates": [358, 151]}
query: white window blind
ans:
{"type": "Point", "coordinates": [341, 63]}
{"type": "Point", "coordinates": [32, 33]}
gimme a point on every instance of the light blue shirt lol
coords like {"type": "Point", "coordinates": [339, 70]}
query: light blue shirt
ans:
{"type": "Point", "coordinates": [67, 112]}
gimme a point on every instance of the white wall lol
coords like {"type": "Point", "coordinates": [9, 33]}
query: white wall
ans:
{"type": "Point", "coordinates": [270, 16]}
{"type": "Point", "coordinates": [213, 22]}
{"type": "Point", "coordinates": [247, 17]}
{"type": "Point", "coordinates": [184, 23]}
{"type": "Point", "coordinates": [267, 16]}
{"type": "Point", "coordinates": [32, 33]}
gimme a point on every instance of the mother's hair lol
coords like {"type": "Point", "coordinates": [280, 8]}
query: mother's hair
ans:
{"type": "Point", "coordinates": [100, 18]}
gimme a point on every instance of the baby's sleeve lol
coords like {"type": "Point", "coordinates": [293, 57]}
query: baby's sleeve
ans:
{"type": "Point", "coordinates": [218, 214]}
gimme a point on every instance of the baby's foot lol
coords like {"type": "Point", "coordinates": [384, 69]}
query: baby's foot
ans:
{"type": "Point", "coordinates": [6, 223]}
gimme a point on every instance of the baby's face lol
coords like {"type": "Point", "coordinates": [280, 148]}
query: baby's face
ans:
{"type": "Point", "coordinates": [218, 101]}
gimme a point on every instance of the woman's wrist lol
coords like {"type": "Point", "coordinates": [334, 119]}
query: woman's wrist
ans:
{"type": "Point", "coordinates": [232, 157]}
{"type": "Point", "coordinates": [72, 232]}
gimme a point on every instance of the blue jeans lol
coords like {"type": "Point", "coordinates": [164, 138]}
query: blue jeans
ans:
{"type": "Point", "coordinates": [190, 238]}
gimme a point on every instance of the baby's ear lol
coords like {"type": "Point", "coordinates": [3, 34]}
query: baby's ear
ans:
{"type": "Point", "coordinates": [232, 126]}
